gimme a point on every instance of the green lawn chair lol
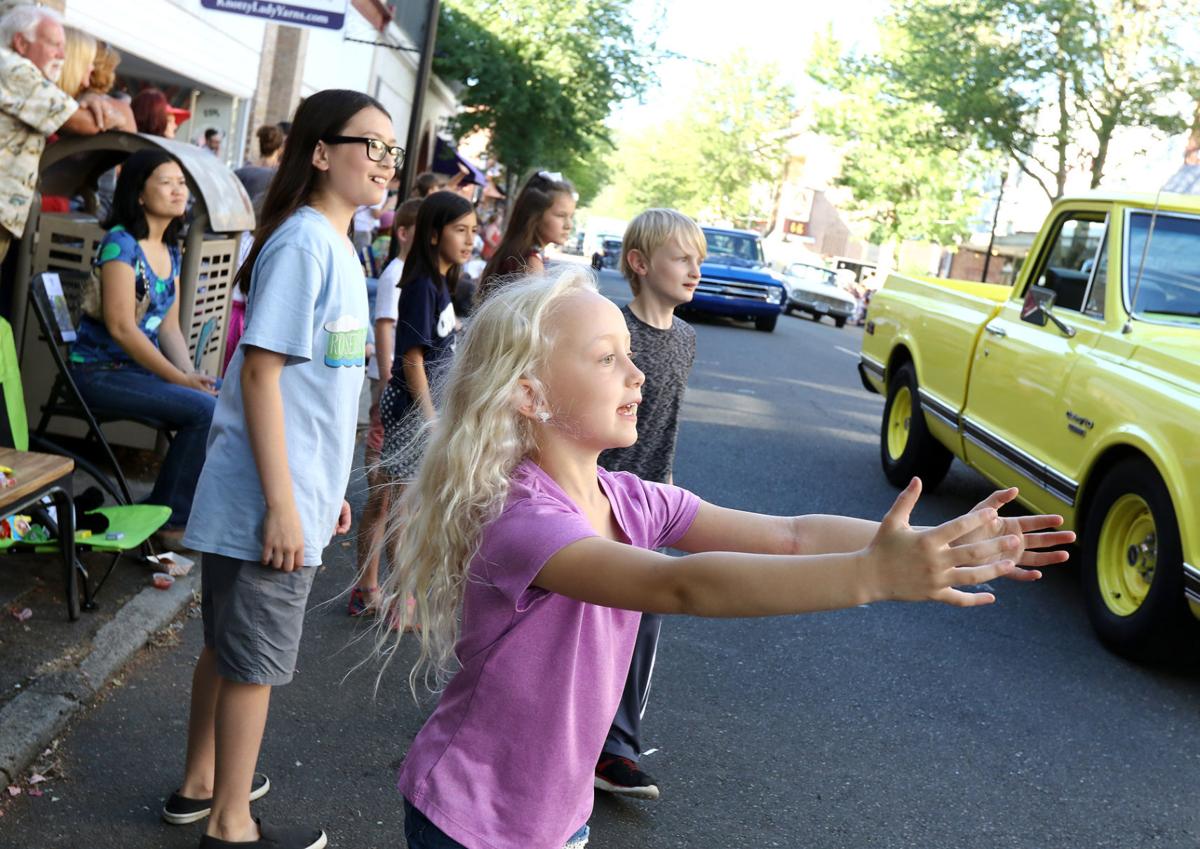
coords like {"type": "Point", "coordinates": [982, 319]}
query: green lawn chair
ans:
{"type": "Point", "coordinates": [135, 523]}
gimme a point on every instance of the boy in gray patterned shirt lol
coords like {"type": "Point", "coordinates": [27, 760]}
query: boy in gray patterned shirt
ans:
{"type": "Point", "coordinates": [660, 257]}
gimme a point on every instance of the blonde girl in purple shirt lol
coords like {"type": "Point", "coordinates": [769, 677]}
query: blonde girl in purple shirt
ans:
{"type": "Point", "coordinates": [530, 563]}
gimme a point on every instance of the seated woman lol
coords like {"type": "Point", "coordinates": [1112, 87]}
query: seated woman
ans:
{"type": "Point", "coordinates": [130, 355]}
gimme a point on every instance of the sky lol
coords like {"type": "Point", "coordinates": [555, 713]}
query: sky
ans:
{"type": "Point", "coordinates": [708, 30]}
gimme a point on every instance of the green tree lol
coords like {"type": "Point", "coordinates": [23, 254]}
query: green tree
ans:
{"type": "Point", "coordinates": [542, 77]}
{"type": "Point", "coordinates": [729, 138]}
{"type": "Point", "coordinates": [1045, 82]}
{"type": "Point", "coordinates": [904, 180]}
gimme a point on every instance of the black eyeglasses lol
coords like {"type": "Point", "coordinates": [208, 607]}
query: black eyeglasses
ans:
{"type": "Point", "coordinates": [376, 150]}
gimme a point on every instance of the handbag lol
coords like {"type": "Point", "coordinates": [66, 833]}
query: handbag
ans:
{"type": "Point", "coordinates": [93, 298]}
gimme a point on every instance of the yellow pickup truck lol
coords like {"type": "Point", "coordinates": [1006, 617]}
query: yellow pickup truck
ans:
{"type": "Point", "coordinates": [1081, 385]}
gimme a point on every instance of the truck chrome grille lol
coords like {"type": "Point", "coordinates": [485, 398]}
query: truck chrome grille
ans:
{"type": "Point", "coordinates": [733, 289]}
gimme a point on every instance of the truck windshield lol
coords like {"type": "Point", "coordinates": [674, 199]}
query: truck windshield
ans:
{"type": "Point", "coordinates": [1169, 284]}
{"type": "Point", "coordinates": [738, 246]}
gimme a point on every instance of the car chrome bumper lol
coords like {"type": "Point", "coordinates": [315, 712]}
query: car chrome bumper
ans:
{"type": "Point", "coordinates": [822, 308]}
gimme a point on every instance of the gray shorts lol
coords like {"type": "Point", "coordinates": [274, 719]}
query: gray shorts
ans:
{"type": "Point", "coordinates": [253, 617]}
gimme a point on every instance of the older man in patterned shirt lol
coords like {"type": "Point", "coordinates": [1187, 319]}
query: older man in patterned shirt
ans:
{"type": "Point", "coordinates": [32, 107]}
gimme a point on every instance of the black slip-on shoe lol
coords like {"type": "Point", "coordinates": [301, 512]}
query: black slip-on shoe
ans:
{"type": "Point", "coordinates": [625, 778]}
{"type": "Point", "coordinates": [181, 810]}
{"type": "Point", "coordinates": [273, 838]}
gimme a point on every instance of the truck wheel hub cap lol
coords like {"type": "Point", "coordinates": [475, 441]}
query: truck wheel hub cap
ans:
{"type": "Point", "coordinates": [899, 422]}
{"type": "Point", "coordinates": [1127, 555]}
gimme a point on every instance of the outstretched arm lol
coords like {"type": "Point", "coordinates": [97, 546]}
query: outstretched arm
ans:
{"type": "Point", "coordinates": [721, 529]}
{"type": "Point", "coordinates": [898, 562]}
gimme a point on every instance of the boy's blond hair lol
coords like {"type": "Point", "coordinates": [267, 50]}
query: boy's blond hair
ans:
{"type": "Point", "coordinates": [653, 229]}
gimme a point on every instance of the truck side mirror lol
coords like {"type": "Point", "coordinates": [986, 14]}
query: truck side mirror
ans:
{"type": "Point", "coordinates": [1036, 309]}
{"type": "Point", "coordinates": [1038, 301]}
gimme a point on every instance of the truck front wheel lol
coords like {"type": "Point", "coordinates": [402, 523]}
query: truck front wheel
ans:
{"type": "Point", "coordinates": [907, 448]}
{"type": "Point", "coordinates": [766, 323]}
{"type": "Point", "coordinates": [1133, 564]}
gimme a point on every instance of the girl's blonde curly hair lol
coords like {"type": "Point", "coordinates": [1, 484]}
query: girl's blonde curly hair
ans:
{"type": "Point", "coordinates": [433, 532]}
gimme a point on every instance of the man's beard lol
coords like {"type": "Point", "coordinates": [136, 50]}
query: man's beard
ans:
{"type": "Point", "coordinates": [53, 70]}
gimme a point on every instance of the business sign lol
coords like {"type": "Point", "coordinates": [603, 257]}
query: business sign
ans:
{"type": "Point", "coordinates": [799, 204]}
{"type": "Point", "coordinates": [322, 14]}
{"type": "Point", "coordinates": [795, 228]}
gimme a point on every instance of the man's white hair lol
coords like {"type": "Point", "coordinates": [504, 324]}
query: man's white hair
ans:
{"type": "Point", "coordinates": [24, 20]}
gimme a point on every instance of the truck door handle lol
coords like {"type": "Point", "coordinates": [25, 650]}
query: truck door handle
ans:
{"type": "Point", "coordinates": [995, 330]}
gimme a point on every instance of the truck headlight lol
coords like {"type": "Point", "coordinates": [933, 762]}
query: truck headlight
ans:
{"type": "Point", "coordinates": [775, 295]}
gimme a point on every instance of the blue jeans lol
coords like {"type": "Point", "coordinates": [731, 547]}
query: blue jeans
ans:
{"type": "Point", "coordinates": [420, 833]}
{"type": "Point", "coordinates": [188, 412]}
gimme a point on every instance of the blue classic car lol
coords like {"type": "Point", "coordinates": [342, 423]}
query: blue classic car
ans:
{"type": "Point", "coordinates": [735, 280]}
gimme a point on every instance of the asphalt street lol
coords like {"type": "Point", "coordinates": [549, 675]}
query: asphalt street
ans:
{"type": "Point", "coordinates": [895, 725]}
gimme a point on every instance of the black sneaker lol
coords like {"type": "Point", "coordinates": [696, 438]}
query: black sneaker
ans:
{"type": "Point", "coordinates": [181, 810]}
{"type": "Point", "coordinates": [273, 838]}
{"type": "Point", "coordinates": [625, 778]}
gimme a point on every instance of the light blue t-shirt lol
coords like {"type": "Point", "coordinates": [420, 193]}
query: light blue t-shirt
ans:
{"type": "Point", "coordinates": [307, 300]}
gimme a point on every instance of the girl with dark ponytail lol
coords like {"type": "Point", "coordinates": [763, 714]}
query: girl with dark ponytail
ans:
{"type": "Point", "coordinates": [541, 215]}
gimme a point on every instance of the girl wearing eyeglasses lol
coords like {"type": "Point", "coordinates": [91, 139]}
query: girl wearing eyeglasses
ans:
{"type": "Point", "coordinates": [542, 215]}
{"type": "Point", "coordinates": [270, 495]}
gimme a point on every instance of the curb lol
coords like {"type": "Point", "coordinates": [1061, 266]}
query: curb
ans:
{"type": "Point", "coordinates": [30, 721]}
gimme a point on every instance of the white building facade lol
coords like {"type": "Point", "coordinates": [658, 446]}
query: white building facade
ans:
{"type": "Point", "coordinates": [234, 72]}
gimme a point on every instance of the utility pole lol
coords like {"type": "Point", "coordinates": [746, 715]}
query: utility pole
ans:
{"type": "Point", "coordinates": [424, 69]}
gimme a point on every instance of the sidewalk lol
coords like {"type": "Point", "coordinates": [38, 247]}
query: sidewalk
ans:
{"type": "Point", "coordinates": [331, 749]}
{"type": "Point", "coordinates": [50, 667]}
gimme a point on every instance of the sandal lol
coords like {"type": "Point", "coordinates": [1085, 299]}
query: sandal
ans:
{"type": "Point", "coordinates": [360, 602]}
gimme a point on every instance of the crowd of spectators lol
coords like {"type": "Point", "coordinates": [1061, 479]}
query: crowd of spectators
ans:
{"type": "Point", "coordinates": [130, 353]}
{"type": "Point", "coordinates": [57, 81]}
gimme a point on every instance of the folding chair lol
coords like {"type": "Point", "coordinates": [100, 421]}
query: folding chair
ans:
{"type": "Point", "coordinates": [51, 303]}
{"type": "Point", "coordinates": [130, 525]}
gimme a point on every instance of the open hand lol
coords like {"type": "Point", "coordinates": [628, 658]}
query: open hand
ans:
{"type": "Point", "coordinates": [1023, 527]}
{"type": "Point", "coordinates": [908, 564]}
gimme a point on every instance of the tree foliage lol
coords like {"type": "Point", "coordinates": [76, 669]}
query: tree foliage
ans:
{"type": "Point", "coordinates": [1046, 83]}
{"type": "Point", "coordinates": [728, 140]}
{"type": "Point", "coordinates": [904, 179]}
{"type": "Point", "coordinates": [542, 77]}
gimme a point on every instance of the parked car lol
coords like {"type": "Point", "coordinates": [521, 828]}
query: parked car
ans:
{"type": "Point", "coordinates": [609, 255]}
{"type": "Point", "coordinates": [814, 290]}
{"type": "Point", "coordinates": [735, 280]}
{"type": "Point", "coordinates": [1080, 384]}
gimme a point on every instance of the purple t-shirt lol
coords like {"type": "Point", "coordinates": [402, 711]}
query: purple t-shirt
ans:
{"type": "Point", "coordinates": [506, 760]}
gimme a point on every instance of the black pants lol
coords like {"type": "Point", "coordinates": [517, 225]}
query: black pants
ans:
{"type": "Point", "coordinates": [625, 735]}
